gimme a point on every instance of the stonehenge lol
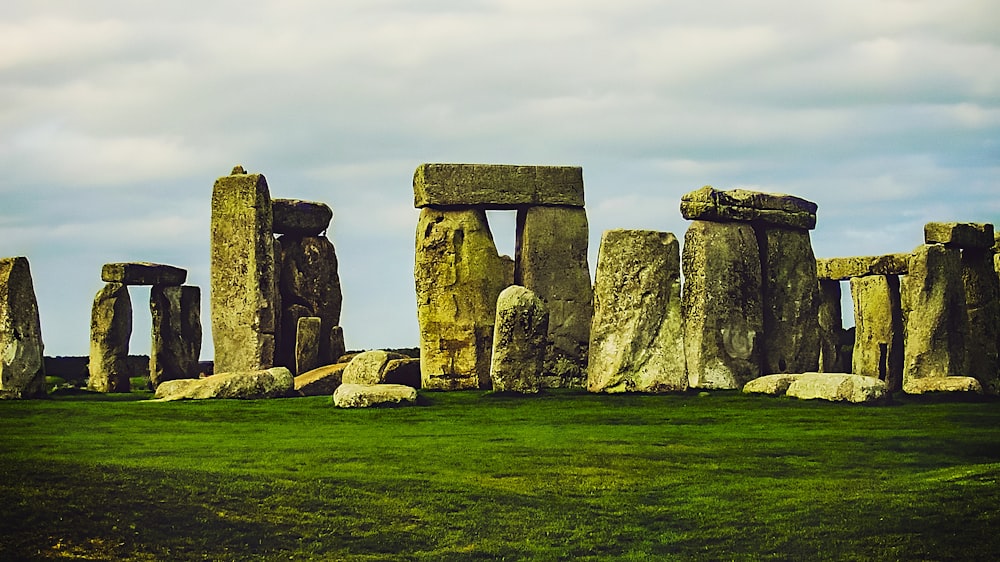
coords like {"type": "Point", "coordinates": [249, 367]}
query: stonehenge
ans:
{"type": "Point", "coordinates": [22, 370]}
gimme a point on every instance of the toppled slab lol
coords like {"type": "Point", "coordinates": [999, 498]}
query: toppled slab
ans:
{"type": "Point", "coordinates": [959, 234]}
{"type": "Point", "coordinates": [276, 382]}
{"type": "Point", "coordinates": [838, 387]}
{"type": "Point", "coordinates": [840, 269]}
{"type": "Point", "coordinates": [367, 395]}
{"type": "Point", "coordinates": [321, 381]}
{"type": "Point", "coordinates": [942, 384]}
{"type": "Point", "coordinates": [496, 186]}
{"type": "Point", "coordinates": [369, 367]}
{"type": "Point", "coordinates": [300, 218]}
{"type": "Point", "coordinates": [742, 205]}
{"type": "Point", "coordinates": [774, 385]}
{"type": "Point", "coordinates": [143, 273]}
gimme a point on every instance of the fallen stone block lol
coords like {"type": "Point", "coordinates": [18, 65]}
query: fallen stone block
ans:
{"type": "Point", "coordinates": [496, 186]}
{"type": "Point", "coordinates": [942, 384]}
{"type": "Point", "coordinates": [405, 371]}
{"type": "Point", "coordinates": [321, 381]}
{"type": "Point", "coordinates": [838, 387]}
{"type": "Point", "coordinates": [960, 234]}
{"type": "Point", "coordinates": [276, 382]}
{"type": "Point", "coordinates": [143, 273]}
{"type": "Point", "coordinates": [300, 218]}
{"type": "Point", "coordinates": [741, 205]}
{"type": "Point", "coordinates": [369, 367]}
{"type": "Point", "coordinates": [773, 385]}
{"type": "Point", "coordinates": [368, 395]}
{"type": "Point", "coordinates": [840, 269]}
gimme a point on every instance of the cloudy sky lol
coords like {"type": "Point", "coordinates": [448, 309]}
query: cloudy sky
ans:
{"type": "Point", "coordinates": [117, 116]}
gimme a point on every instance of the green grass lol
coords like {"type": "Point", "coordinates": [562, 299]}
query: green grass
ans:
{"type": "Point", "coordinates": [467, 476]}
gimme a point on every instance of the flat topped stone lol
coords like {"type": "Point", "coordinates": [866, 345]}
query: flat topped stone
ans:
{"type": "Point", "coordinates": [143, 273]}
{"type": "Point", "coordinates": [496, 186]}
{"type": "Point", "coordinates": [839, 269]}
{"type": "Point", "coordinates": [960, 234]}
{"type": "Point", "coordinates": [742, 205]}
{"type": "Point", "coordinates": [302, 218]}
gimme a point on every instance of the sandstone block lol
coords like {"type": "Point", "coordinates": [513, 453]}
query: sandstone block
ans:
{"type": "Point", "coordinates": [176, 332]}
{"type": "Point", "coordinates": [403, 370]}
{"type": "Point", "coordinates": [110, 330]}
{"type": "Point", "coordinates": [637, 339]}
{"type": "Point", "coordinates": [774, 385]}
{"type": "Point", "coordinates": [982, 300]}
{"type": "Point", "coordinates": [309, 284]}
{"type": "Point", "coordinates": [369, 367]}
{"type": "Point", "coordinates": [22, 368]}
{"type": "Point", "coordinates": [307, 338]}
{"type": "Point", "coordinates": [831, 324]}
{"type": "Point", "coordinates": [276, 382]}
{"type": "Point", "coordinates": [710, 204]}
{"type": "Point", "coordinates": [789, 292]}
{"type": "Point", "coordinates": [878, 334]}
{"type": "Point", "coordinates": [839, 269]}
{"type": "Point", "coordinates": [321, 381]}
{"type": "Point", "coordinates": [960, 234]}
{"type": "Point", "coordinates": [943, 384]}
{"type": "Point", "coordinates": [143, 273]}
{"type": "Point", "coordinates": [838, 387]}
{"type": "Point", "coordinates": [496, 186]}
{"type": "Point", "coordinates": [300, 218]}
{"type": "Point", "coordinates": [366, 396]}
{"type": "Point", "coordinates": [520, 339]}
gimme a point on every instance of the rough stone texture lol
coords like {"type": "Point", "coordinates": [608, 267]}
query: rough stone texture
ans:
{"type": "Point", "coordinates": [519, 341]}
{"type": "Point", "coordinates": [143, 273]}
{"type": "Point", "coordinates": [838, 387]}
{"type": "Point", "coordinates": [789, 294]}
{"type": "Point", "coordinates": [943, 384]}
{"type": "Point", "coordinates": [741, 205]}
{"type": "Point", "coordinates": [404, 370]}
{"type": "Point", "coordinates": [878, 334]}
{"type": "Point", "coordinates": [551, 261]}
{"type": "Point", "coordinates": [337, 345]}
{"type": "Point", "coordinates": [937, 325]}
{"type": "Point", "coordinates": [982, 299]}
{"type": "Point", "coordinates": [309, 285]}
{"type": "Point", "coordinates": [300, 218]}
{"type": "Point", "coordinates": [458, 276]}
{"type": "Point", "coordinates": [110, 330]}
{"type": "Point", "coordinates": [321, 381]}
{"type": "Point", "coordinates": [276, 382]}
{"type": "Point", "coordinates": [243, 292]}
{"type": "Point", "coordinates": [369, 367]}
{"type": "Point", "coordinates": [22, 367]}
{"type": "Point", "coordinates": [774, 385]}
{"type": "Point", "coordinates": [368, 395]}
{"type": "Point", "coordinates": [637, 340]}
{"type": "Point", "coordinates": [831, 324]}
{"type": "Point", "coordinates": [960, 234]}
{"type": "Point", "coordinates": [840, 269]}
{"type": "Point", "coordinates": [721, 304]}
{"type": "Point", "coordinates": [176, 332]}
{"type": "Point", "coordinates": [307, 338]}
{"type": "Point", "coordinates": [496, 186]}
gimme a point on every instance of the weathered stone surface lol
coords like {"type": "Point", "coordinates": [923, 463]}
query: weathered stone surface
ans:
{"type": "Point", "coordinates": [496, 186]}
{"type": "Point", "coordinates": [551, 261]}
{"type": "Point", "coordinates": [840, 269]}
{"type": "Point", "coordinates": [831, 324]}
{"type": "Point", "coordinates": [838, 387]}
{"type": "Point", "coordinates": [22, 367]}
{"type": "Point", "coordinates": [143, 273]}
{"type": "Point", "coordinates": [110, 330]}
{"type": "Point", "coordinates": [368, 395]}
{"type": "Point", "coordinates": [637, 339]}
{"type": "Point", "coordinates": [369, 367]}
{"type": "Point", "coordinates": [176, 332]}
{"type": "Point", "coordinates": [458, 276]}
{"type": "Point", "coordinates": [789, 293]}
{"type": "Point", "coordinates": [937, 324]}
{"type": "Point", "coordinates": [309, 284]}
{"type": "Point", "coordinates": [943, 384]}
{"type": "Point", "coordinates": [337, 345]}
{"type": "Point", "coordinates": [307, 344]}
{"type": "Point", "coordinates": [300, 218]}
{"type": "Point", "coordinates": [982, 300]}
{"type": "Point", "coordinates": [960, 234]}
{"type": "Point", "coordinates": [878, 334]}
{"type": "Point", "coordinates": [710, 204]}
{"type": "Point", "coordinates": [774, 385]}
{"type": "Point", "coordinates": [276, 382]}
{"type": "Point", "coordinates": [405, 370]}
{"type": "Point", "coordinates": [321, 381]}
{"type": "Point", "coordinates": [721, 304]}
{"type": "Point", "coordinates": [519, 341]}
{"type": "Point", "coordinates": [243, 291]}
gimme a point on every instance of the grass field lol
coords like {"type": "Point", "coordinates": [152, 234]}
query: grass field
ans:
{"type": "Point", "coordinates": [468, 475]}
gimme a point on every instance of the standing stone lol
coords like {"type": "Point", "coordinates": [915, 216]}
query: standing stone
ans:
{"type": "Point", "coordinates": [243, 292]}
{"type": "Point", "coordinates": [637, 339]}
{"type": "Point", "coordinates": [309, 286]}
{"type": "Point", "coordinates": [22, 368]}
{"type": "Point", "coordinates": [307, 343]}
{"type": "Point", "coordinates": [551, 261]}
{"type": "Point", "coordinates": [337, 345]}
{"type": "Point", "coordinates": [458, 276]}
{"type": "Point", "coordinates": [176, 333]}
{"type": "Point", "coordinates": [519, 341]}
{"type": "Point", "coordinates": [721, 304]}
{"type": "Point", "coordinates": [937, 325]}
{"type": "Point", "coordinates": [790, 301]}
{"type": "Point", "coordinates": [982, 299]}
{"type": "Point", "coordinates": [110, 330]}
{"type": "Point", "coordinates": [878, 334]}
{"type": "Point", "coordinates": [831, 324]}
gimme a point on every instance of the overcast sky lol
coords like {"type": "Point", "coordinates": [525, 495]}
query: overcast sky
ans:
{"type": "Point", "coordinates": [117, 116]}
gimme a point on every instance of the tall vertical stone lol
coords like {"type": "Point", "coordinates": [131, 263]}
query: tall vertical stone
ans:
{"type": "Point", "coordinates": [831, 324]}
{"type": "Point", "coordinates": [790, 301]}
{"type": "Point", "coordinates": [307, 344]}
{"type": "Point", "coordinates": [458, 276]}
{"type": "Point", "coordinates": [110, 330]}
{"type": "Point", "coordinates": [243, 292]}
{"type": "Point", "coordinates": [176, 332]}
{"type": "Point", "coordinates": [982, 299]}
{"type": "Point", "coordinates": [551, 261]}
{"type": "Point", "coordinates": [637, 339]}
{"type": "Point", "coordinates": [520, 339]}
{"type": "Point", "coordinates": [721, 304]}
{"type": "Point", "coordinates": [22, 369]}
{"type": "Point", "coordinates": [878, 334]}
{"type": "Point", "coordinates": [309, 286]}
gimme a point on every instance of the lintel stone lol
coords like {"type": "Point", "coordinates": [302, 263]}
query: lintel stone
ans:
{"type": "Point", "coordinates": [741, 205]}
{"type": "Point", "coordinates": [840, 269]}
{"type": "Point", "coordinates": [959, 234]}
{"type": "Point", "coordinates": [143, 273]}
{"type": "Point", "coordinates": [302, 218]}
{"type": "Point", "coordinates": [496, 186]}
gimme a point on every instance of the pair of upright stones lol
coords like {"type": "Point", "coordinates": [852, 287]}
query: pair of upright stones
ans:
{"type": "Point", "coordinates": [275, 301]}
{"type": "Point", "coordinates": [459, 274]}
{"type": "Point", "coordinates": [22, 367]}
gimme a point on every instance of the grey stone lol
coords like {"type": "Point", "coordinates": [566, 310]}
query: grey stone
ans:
{"type": "Point", "coordinates": [321, 381]}
{"type": "Point", "coordinates": [960, 234]}
{"type": "Point", "coordinates": [22, 368]}
{"type": "Point", "coordinates": [369, 367]}
{"type": "Point", "coordinates": [831, 325]}
{"type": "Point", "coordinates": [337, 345]}
{"type": "Point", "coordinates": [300, 218]}
{"type": "Point", "coordinates": [110, 330]}
{"type": "Point", "coordinates": [944, 384]}
{"type": "Point", "coordinates": [741, 205]}
{"type": "Point", "coordinates": [840, 269]}
{"type": "Point", "coordinates": [789, 292]}
{"type": "Point", "coordinates": [366, 396]}
{"type": "Point", "coordinates": [176, 332]}
{"type": "Point", "coordinates": [309, 285]}
{"type": "Point", "coordinates": [838, 387]}
{"type": "Point", "coordinates": [773, 385]}
{"type": "Point", "coordinates": [276, 382]}
{"type": "Point", "coordinates": [519, 341]}
{"type": "Point", "coordinates": [982, 300]}
{"type": "Point", "coordinates": [307, 344]}
{"type": "Point", "coordinates": [143, 273]}
{"type": "Point", "coordinates": [878, 335]}
{"type": "Point", "coordinates": [496, 186]}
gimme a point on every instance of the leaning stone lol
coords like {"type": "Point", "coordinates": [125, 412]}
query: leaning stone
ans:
{"type": "Point", "coordinates": [519, 341]}
{"type": "Point", "coordinates": [551, 261]}
{"type": "Point", "coordinates": [404, 370]}
{"type": "Point", "coordinates": [22, 367]}
{"type": "Point", "coordinates": [321, 381]}
{"type": "Point", "coordinates": [143, 273]}
{"type": "Point", "coordinates": [878, 335]}
{"type": "Point", "coordinates": [960, 234]}
{"type": "Point", "coordinates": [276, 382]}
{"type": "Point", "coordinates": [176, 332]}
{"type": "Point", "coordinates": [831, 325]}
{"type": "Point", "coordinates": [368, 367]}
{"type": "Point", "coordinates": [721, 305]}
{"type": "Point", "coordinates": [458, 276]}
{"type": "Point", "coordinates": [309, 286]}
{"type": "Point", "coordinates": [840, 269]}
{"type": "Point", "coordinates": [774, 385]}
{"type": "Point", "coordinates": [307, 344]}
{"type": "Point", "coordinates": [741, 205]}
{"type": "Point", "coordinates": [368, 395]}
{"type": "Point", "coordinates": [943, 384]}
{"type": "Point", "coordinates": [789, 293]}
{"type": "Point", "coordinates": [637, 340]}
{"type": "Point", "coordinates": [838, 387]}
{"type": "Point", "coordinates": [982, 300]}
{"type": "Point", "coordinates": [300, 218]}
{"type": "Point", "coordinates": [110, 331]}
{"type": "Point", "coordinates": [496, 186]}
